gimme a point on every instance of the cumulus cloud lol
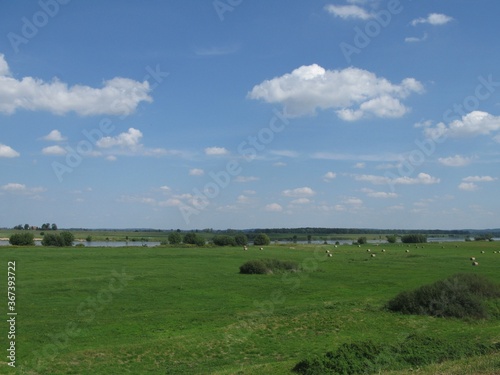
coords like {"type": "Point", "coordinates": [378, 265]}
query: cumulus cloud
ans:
{"type": "Point", "coordinates": [349, 12]}
{"type": "Point", "coordinates": [118, 96]}
{"type": "Point", "coordinates": [273, 207]}
{"type": "Point", "coordinates": [480, 179]}
{"type": "Point", "coordinates": [215, 151]}
{"type": "Point", "coordinates": [414, 39]}
{"type": "Point", "coordinates": [130, 139]}
{"type": "Point", "coordinates": [54, 150]}
{"type": "Point", "coordinates": [472, 124]}
{"type": "Point", "coordinates": [329, 176]}
{"type": "Point", "coordinates": [455, 161]}
{"type": "Point", "coordinates": [378, 194]}
{"type": "Point", "coordinates": [17, 188]}
{"type": "Point", "coordinates": [8, 152]}
{"type": "Point", "coordinates": [54, 136]}
{"type": "Point", "coordinates": [353, 93]}
{"type": "Point", "coordinates": [468, 186]}
{"type": "Point", "coordinates": [196, 172]}
{"type": "Point", "coordinates": [302, 192]}
{"type": "Point", "coordinates": [435, 19]}
{"type": "Point", "coordinates": [421, 179]}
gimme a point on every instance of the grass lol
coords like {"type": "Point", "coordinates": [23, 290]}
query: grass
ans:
{"type": "Point", "coordinates": [189, 311]}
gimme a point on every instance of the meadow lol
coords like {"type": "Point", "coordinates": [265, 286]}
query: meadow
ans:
{"type": "Point", "coordinates": [168, 310]}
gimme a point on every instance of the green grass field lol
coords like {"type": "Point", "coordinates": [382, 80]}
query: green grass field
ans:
{"type": "Point", "coordinates": [189, 311]}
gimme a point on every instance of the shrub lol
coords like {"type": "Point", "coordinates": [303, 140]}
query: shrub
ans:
{"type": "Point", "coordinates": [174, 238]}
{"type": "Point", "coordinates": [265, 266]}
{"type": "Point", "coordinates": [190, 238]}
{"type": "Point", "coordinates": [261, 239]}
{"type": "Point", "coordinates": [391, 238]}
{"type": "Point", "coordinates": [22, 239]}
{"type": "Point", "coordinates": [224, 240]}
{"type": "Point", "coordinates": [459, 296]}
{"type": "Point", "coordinates": [414, 238]}
{"type": "Point", "coordinates": [61, 239]}
{"type": "Point", "coordinates": [362, 240]}
{"type": "Point", "coordinates": [367, 357]}
{"type": "Point", "coordinates": [241, 239]}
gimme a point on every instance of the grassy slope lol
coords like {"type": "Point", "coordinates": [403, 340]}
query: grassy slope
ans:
{"type": "Point", "coordinates": [188, 311]}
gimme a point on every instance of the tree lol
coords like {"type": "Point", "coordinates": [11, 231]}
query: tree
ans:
{"type": "Point", "coordinates": [190, 238]}
{"type": "Point", "coordinates": [224, 240]}
{"type": "Point", "coordinates": [26, 226]}
{"type": "Point", "coordinates": [22, 239]}
{"type": "Point", "coordinates": [61, 239]}
{"type": "Point", "coordinates": [174, 238]}
{"type": "Point", "coordinates": [414, 238]}
{"type": "Point", "coordinates": [67, 238]}
{"type": "Point", "coordinates": [261, 239]}
{"type": "Point", "coordinates": [18, 227]}
{"type": "Point", "coordinates": [241, 239]}
{"type": "Point", "coordinates": [391, 238]}
{"type": "Point", "coordinates": [362, 240]}
{"type": "Point", "coordinates": [54, 227]}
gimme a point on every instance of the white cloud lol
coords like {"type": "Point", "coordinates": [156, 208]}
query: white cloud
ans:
{"type": "Point", "coordinates": [329, 176]}
{"type": "Point", "coordinates": [273, 207]}
{"type": "Point", "coordinates": [17, 188]}
{"type": "Point", "coordinates": [118, 96]}
{"type": "Point", "coordinates": [414, 39]}
{"type": "Point", "coordinates": [111, 158]}
{"type": "Point", "coordinates": [130, 140]}
{"type": "Point", "coordinates": [8, 152]}
{"type": "Point", "coordinates": [301, 201]}
{"type": "Point", "coordinates": [378, 194]}
{"type": "Point", "coordinates": [360, 165]}
{"type": "Point", "coordinates": [246, 179]}
{"type": "Point", "coordinates": [434, 19]}
{"type": "Point", "coordinates": [353, 93]}
{"type": "Point", "coordinates": [468, 186]}
{"type": "Point", "coordinates": [349, 11]}
{"type": "Point", "coordinates": [54, 150]}
{"type": "Point", "coordinates": [54, 136]}
{"type": "Point", "coordinates": [196, 172]}
{"type": "Point", "coordinates": [211, 151]}
{"type": "Point", "coordinates": [299, 192]}
{"type": "Point", "coordinates": [455, 161]}
{"type": "Point", "coordinates": [421, 179]}
{"type": "Point", "coordinates": [472, 124]}
{"type": "Point", "coordinates": [480, 179]}
{"type": "Point", "coordinates": [287, 153]}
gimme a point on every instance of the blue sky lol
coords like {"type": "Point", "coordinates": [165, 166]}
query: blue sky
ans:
{"type": "Point", "coordinates": [242, 114]}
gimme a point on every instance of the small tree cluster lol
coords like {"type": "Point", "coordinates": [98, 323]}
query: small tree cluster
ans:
{"type": "Point", "coordinates": [392, 238]}
{"type": "Point", "coordinates": [362, 240]}
{"type": "Point", "coordinates": [261, 239]}
{"type": "Point", "coordinates": [414, 238]}
{"type": "Point", "coordinates": [174, 238]}
{"type": "Point", "coordinates": [193, 239]}
{"type": "Point", "coordinates": [61, 239]}
{"type": "Point", "coordinates": [224, 240]}
{"type": "Point", "coordinates": [22, 239]}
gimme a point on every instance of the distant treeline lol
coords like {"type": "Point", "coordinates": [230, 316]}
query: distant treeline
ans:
{"type": "Point", "coordinates": [348, 231]}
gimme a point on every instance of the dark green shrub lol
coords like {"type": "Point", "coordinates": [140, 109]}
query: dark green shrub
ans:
{"type": "Point", "coordinates": [414, 238]}
{"type": "Point", "coordinates": [261, 239]}
{"type": "Point", "coordinates": [61, 239]}
{"type": "Point", "coordinates": [265, 266]}
{"type": "Point", "coordinates": [391, 238]}
{"type": "Point", "coordinates": [362, 240]}
{"type": "Point", "coordinates": [174, 238]}
{"type": "Point", "coordinates": [224, 240]}
{"type": "Point", "coordinates": [190, 238]}
{"type": "Point", "coordinates": [22, 239]}
{"type": "Point", "coordinates": [459, 296]}
{"type": "Point", "coordinates": [241, 239]}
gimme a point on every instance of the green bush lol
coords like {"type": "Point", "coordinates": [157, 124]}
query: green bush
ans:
{"type": "Point", "coordinates": [368, 358]}
{"type": "Point", "coordinates": [224, 240]}
{"type": "Point", "coordinates": [174, 238]}
{"type": "Point", "coordinates": [261, 239]}
{"type": "Point", "coordinates": [459, 296]}
{"type": "Point", "coordinates": [22, 239]}
{"type": "Point", "coordinates": [362, 240]}
{"type": "Point", "coordinates": [414, 238]}
{"type": "Point", "coordinates": [241, 239]}
{"type": "Point", "coordinates": [265, 266]}
{"type": "Point", "coordinates": [61, 239]}
{"type": "Point", "coordinates": [392, 238]}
